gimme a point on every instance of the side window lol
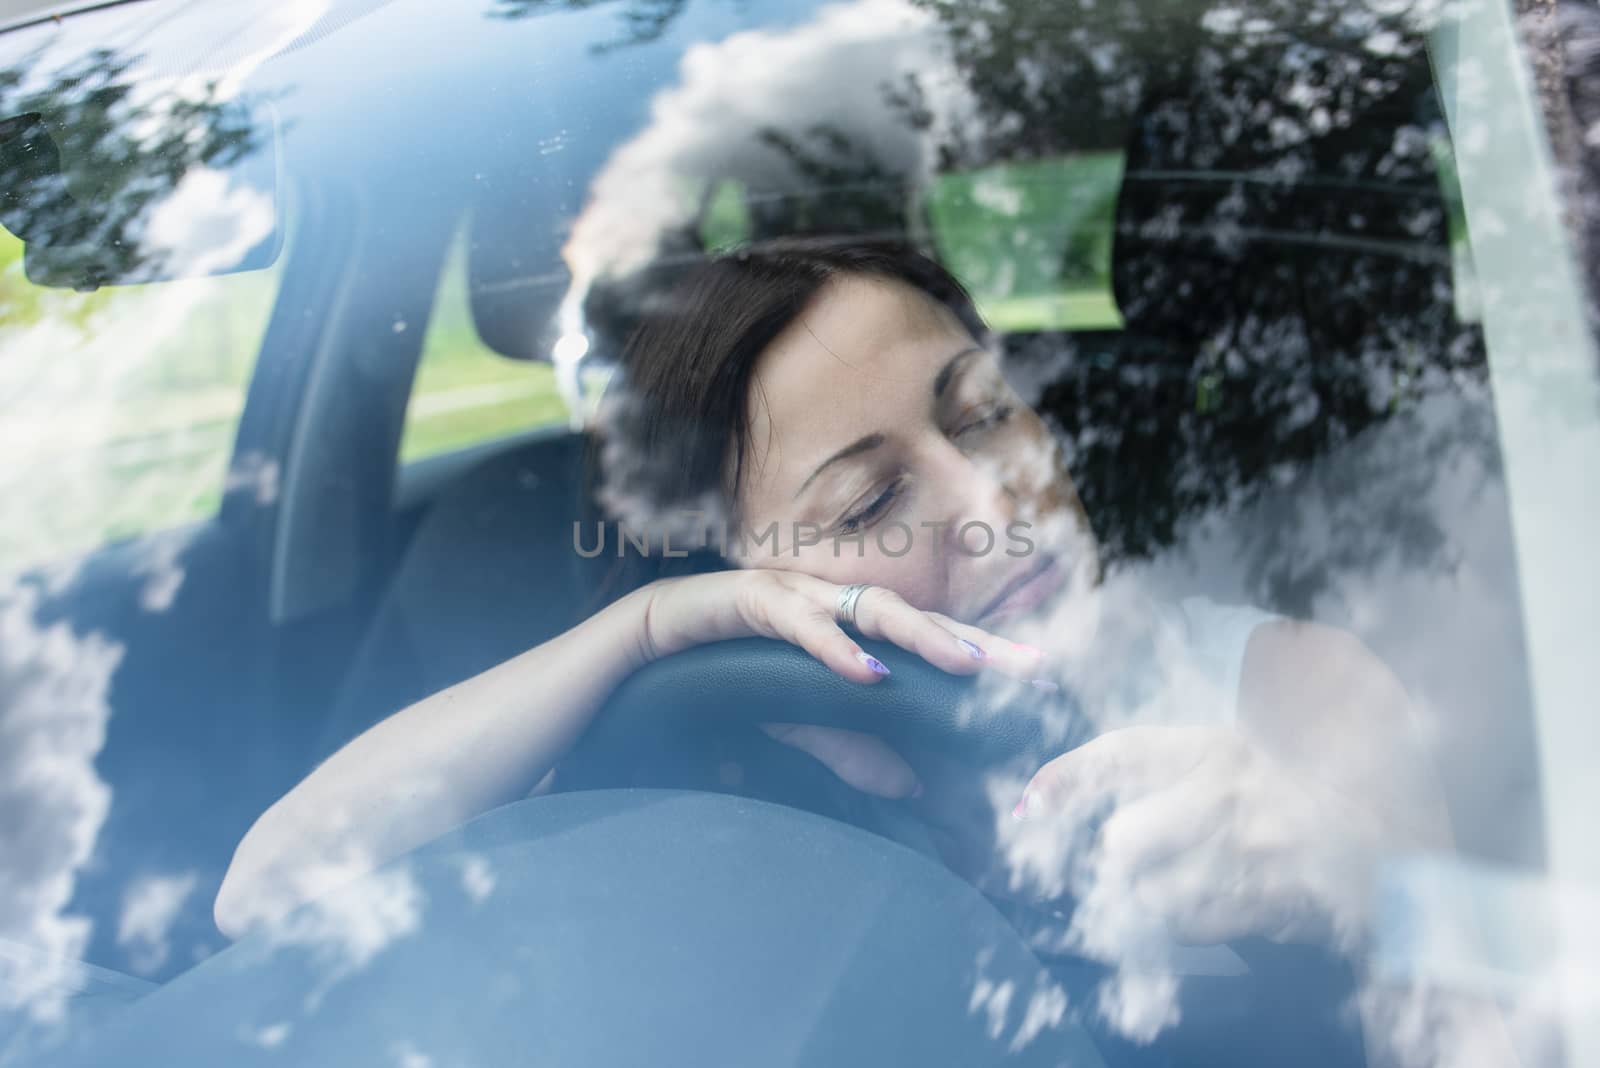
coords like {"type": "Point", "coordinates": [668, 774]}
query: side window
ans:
{"type": "Point", "coordinates": [1032, 240]}
{"type": "Point", "coordinates": [122, 404]}
{"type": "Point", "coordinates": [464, 393]}
{"type": "Point", "coordinates": [725, 222]}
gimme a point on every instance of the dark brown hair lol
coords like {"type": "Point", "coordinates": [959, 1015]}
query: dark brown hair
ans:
{"type": "Point", "coordinates": [680, 401]}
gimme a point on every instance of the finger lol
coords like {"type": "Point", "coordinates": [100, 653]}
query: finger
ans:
{"type": "Point", "coordinates": [860, 760]}
{"type": "Point", "coordinates": [1008, 657]}
{"type": "Point", "coordinates": [882, 613]}
{"type": "Point", "coordinates": [1194, 905]}
{"type": "Point", "coordinates": [1162, 828]}
{"type": "Point", "coordinates": [823, 638]}
{"type": "Point", "coordinates": [1209, 903]}
{"type": "Point", "coordinates": [1114, 767]}
{"type": "Point", "coordinates": [786, 608]}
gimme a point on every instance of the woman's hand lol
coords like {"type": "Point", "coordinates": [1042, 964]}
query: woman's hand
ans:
{"type": "Point", "coordinates": [799, 609]}
{"type": "Point", "coordinates": [1203, 830]}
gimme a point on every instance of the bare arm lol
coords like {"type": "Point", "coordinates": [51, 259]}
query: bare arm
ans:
{"type": "Point", "coordinates": [489, 740]}
{"type": "Point", "coordinates": [438, 763]}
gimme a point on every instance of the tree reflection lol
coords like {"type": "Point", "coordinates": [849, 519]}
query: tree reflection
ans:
{"type": "Point", "coordinates": [1286, 284]}
{"type": "Point", "coordinates": [1282, 247]}
{"type": "Point", "coordinates": [85, 156]}
{"type": "Point", "coordinates": [1049, 75]}
{"type": "Point", "coordinates": [1575, 36]}
{"type": "Point", "coordinates": [643, 21]}
{"type": "Point", "coordinates": [842, 186]}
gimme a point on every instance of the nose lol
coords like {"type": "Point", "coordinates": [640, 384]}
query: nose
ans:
{"type": "Point", "coordinates": [977, 500]}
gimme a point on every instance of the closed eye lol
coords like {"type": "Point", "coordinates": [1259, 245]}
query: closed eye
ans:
{"type": "Point", "coordinates": [991, 418]}
{"type": "Point", "coordinates": [866, 516]}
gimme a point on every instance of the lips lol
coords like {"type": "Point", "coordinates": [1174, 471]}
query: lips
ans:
{"type": "Point", "coordinates": [1026, 590]}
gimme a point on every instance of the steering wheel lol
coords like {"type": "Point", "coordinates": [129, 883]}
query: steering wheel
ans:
{"type": "Point", "coordinates": [682, 702]}
{"type": "Point", "coordinates": [726, 685]}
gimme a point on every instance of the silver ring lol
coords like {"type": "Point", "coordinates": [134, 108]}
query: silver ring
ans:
{"type": "Point", "coordinates": [844, 609]}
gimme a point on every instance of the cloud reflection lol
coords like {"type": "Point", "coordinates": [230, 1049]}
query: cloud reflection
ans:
{"type": "Point", "coordinates": [346, 929]}
{"type": "Point", "coordinates": [843, 63]}
{"type": "Point", "coordinates": [53, 712]}
{"type": "Point", "coordinates": [996, 1000]}
{"type": "Point", "coordinates": [150, 906]}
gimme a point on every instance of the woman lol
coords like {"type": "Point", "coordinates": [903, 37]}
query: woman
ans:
{"type": "Point", "coordinates": [816, 395]}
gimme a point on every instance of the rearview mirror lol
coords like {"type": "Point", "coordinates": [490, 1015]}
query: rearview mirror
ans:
{"type": "Point", "coordinates": [124, 195]}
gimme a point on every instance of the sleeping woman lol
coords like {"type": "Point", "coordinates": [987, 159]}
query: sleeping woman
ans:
{"type": "Point", "coordinates": [847, 396]}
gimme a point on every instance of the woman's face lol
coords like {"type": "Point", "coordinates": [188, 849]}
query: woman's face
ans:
{"type": "Point", "coordinates": [887, 448]}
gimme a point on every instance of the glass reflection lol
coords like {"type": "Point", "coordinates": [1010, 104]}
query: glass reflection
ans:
{"type": "Point", "coordinates": [1225, 250]}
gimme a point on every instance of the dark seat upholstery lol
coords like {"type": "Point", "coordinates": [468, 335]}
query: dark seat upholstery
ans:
{"type": "Point", "coordinates": [489, 572]}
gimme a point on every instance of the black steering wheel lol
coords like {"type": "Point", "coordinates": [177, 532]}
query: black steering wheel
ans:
{"type": "Point", "coordinates": [681, 703]}
{"type": "Point", "coordinates": [727, 685]}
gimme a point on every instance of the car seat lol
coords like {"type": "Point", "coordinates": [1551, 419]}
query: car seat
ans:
{"type": "Point", "coordinates": [489, 572]}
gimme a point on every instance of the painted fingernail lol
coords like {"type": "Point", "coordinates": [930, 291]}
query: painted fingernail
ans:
{"type": "Point", "coordinates": [1044, 685]}
{"type": "Point", "coordinates": [872, 662]}
{"type": "Point", "coordinates": [1021, 811]}
{"type": "Point", "coordinates": [1027, 650]}
{"type": "Point", "coordinates": [972, 650]}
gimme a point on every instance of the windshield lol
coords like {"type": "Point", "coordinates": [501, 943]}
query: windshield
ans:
{"type": "Point", "coordinates": [353, 353]}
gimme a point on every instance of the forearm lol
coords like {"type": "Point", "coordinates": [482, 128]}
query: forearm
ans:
{"type": "Point", "coordinates": [430, 767]}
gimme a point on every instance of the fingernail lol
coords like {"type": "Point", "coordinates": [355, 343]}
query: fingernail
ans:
{"type": "Point", "coordinates": [1027, 650]}
{"type": "Point", "coordinates": [917, 792]}
{"type": "Point", "coordinates": [973, 650]}
{"type": "Point", "coordinates": [1044, 685]}
{"type": "Point", "coordinates": [1021, 811]}
{"type": "Point", "coordinates": [872, 662]}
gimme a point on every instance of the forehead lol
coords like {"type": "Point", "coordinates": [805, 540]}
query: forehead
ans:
{"type": "Point", "coordinates": [859, 338]}
{"type": "Point", "coordinates": [860, 359]}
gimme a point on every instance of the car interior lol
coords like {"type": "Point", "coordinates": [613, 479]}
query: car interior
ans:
{"type": "Point", "coordinates": [1263, 282]}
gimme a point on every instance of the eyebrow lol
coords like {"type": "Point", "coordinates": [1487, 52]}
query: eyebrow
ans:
{"type": "Point", "coordinates": [941, 382]}
{"type": "Point", "coordinates": [947, 373]}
